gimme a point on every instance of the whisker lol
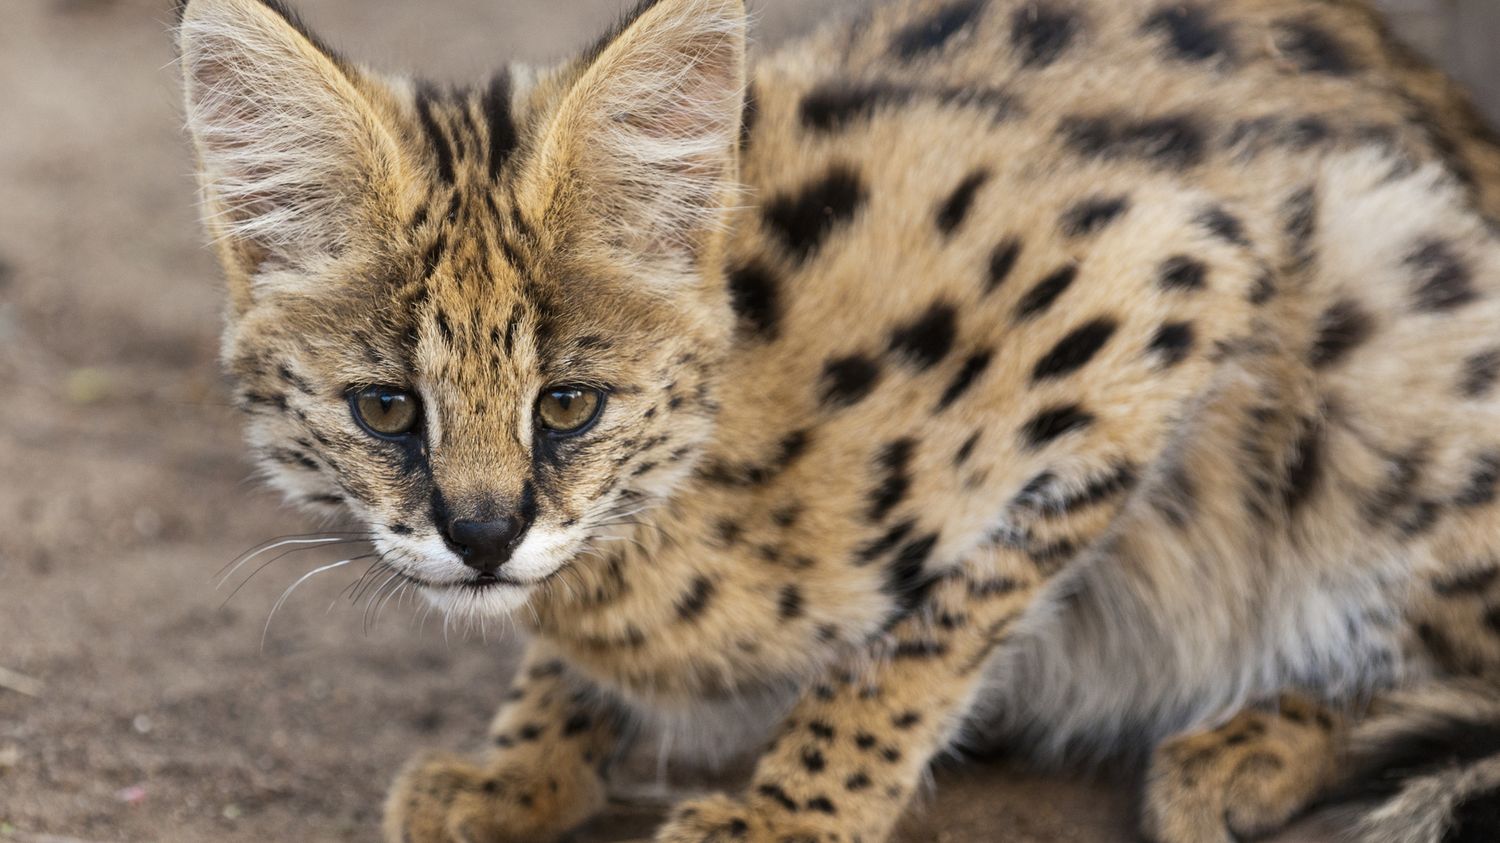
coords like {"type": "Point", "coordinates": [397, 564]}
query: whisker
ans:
{"type": "Point", "coordinates": [375, 596]}
{"type": "Point", "coordinates": [293, 587]}
{"type": "Point", "coordinates": [358, 587]}
{"type": "Point", "coordinates": [268, 545]}
{"type": "Point", "coordinates": [272, 561]}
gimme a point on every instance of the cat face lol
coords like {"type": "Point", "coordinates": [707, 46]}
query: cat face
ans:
{"type": "Point", "coordinates": [482, 321]}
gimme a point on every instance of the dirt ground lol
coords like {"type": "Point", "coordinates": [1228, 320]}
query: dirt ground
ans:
{"type": "Point", "coordinates": [137, 706]}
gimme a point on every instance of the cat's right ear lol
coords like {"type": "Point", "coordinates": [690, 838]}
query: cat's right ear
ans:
{"type": "Point", "coordinates": [292, 153]}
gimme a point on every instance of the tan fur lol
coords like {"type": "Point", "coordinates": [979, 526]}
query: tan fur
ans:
{"type": "Point", "coordinates": [1072, 373]}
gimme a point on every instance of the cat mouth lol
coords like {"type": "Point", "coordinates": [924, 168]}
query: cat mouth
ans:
{"type": "Point", "coordinates": [478, 583]}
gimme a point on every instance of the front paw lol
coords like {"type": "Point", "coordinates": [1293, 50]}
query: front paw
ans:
{"type": "Point", "coordinates": [443, 799]}
{"type": "Point", "coordinates": [719, 819]}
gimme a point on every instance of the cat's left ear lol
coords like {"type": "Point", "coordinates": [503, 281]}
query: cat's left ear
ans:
{"type": "Point", "coordinates": [642, 155]}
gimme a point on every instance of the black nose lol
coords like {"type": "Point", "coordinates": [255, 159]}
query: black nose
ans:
{"type": "Point", "coordinates": [486, 545]}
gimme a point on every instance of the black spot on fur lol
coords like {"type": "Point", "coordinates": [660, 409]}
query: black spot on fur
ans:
{"type": "Point", "coordinates": [1002, 262]}
{"type": "Point", "coordinates": [822, 805]}
{"type": "Point", "coordinates": [1093, 215]}
{"type": "Point", "coordinates": [905, 576]}
{"type": "Point", "coordinates": [777, 795]}
{"type": "Point", "coordinates": [835, 106]}
{"type": "Point", "coordinates": [894, 462]}
{"type": "Point", "coordinates": [813, 760]}
{"type": "Point", "coordinates": [789, 603]}
{"type": "Point", "coordinates": [928, 339]}
{"type": "Point", "coordinates": [753, 293]}
{"type": "Point", "coordinates": [878, 548]}
{"type": "Point", "coordinates": [692, 605]}
{"type": "Point", "coordinates": [936, 30]}
{"type": "Point", "coordinates": [791, 447]}
{"type": "Point", "coordinates": [1041, 297]}
{"type": "Point", "coordinates": [804, 220]}
{"type": "Point", "coordinates": [847, 380]}
{"type": "Point", "coordinates": [920, 649]}
{"type": "Point", "coordinates": [1263, 290]}
{"type": "Point", "coordinates": [973, 368]}
{"type": "Point", "coordinates": [966, 450]}
{"type": "Point", "coordinates": [577, 724]}
{"type": "Point", "coordinates": [1304, 133]}
{"type": "Point", "coordinates": [1173, 341]}
{"type": "Point", "coordinates": [1040, 35]}
{"type": "Point", "coordinates": [1075, 350]}
{"type": "Point", "coordinates": [1305, 466]}
{"type": "Point", "coordinates": [1342, 327]}
{"type": "Point", "coordinates": [1444, 282]}
{"type": "Point", "coordinates": [1054, 422]}
{"type": "Point", "coordinates": [1312, 49]}
{"type": "Point", "coordinates": [1480, 372]}
{"type": "Point", "coordinates": [1174, 142]}
{"type": "Point", "coordinates": [1479, 488]}
{"type": "Point", "coordinates": [1224, 225]}
{"type": "Point", "coordinates": [1190, 33]}
{"type": "Point", "coordinates": [1181, 272]}
{"type": "Point", "coordinates": [1471, 582]}
{"type": "Point", "coordinates": [955, 208]}
{"type": "Point", "coordinates": [1398, 491]}
{"type": "Point", "coordinates": [1041, 495]}
{"type": "Point", "coordinates": [1300, 221]}
{"type": "Point", "coordinates": [857, 782]}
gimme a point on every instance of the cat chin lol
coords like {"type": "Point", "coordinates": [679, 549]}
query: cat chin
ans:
{"type": "Point", "coordinates": [469, 603]}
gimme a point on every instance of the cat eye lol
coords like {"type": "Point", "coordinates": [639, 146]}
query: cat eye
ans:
{"type": "Point", "coordinates": [569, 410]}
{"type": "Point", "coordinates": [386, 412]}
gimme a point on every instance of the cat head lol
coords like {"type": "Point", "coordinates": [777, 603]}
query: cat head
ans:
{"type": "Point", "coordinates": [482, 321]}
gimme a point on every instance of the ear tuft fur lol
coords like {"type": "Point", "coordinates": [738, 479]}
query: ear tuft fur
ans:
{"type": "Point", "coordinates": [287, 143]}
{"type": "Point", "coordinates": [645, 142]}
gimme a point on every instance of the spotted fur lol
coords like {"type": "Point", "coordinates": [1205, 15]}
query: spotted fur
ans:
{"type": "Point", "coordinates": [955, 393]}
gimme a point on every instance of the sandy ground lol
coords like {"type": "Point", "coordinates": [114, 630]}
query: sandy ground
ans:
{"type": "Point", "coordinates": [158, 715]}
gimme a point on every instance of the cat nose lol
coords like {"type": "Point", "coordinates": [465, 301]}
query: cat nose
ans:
{"type": "Point", "coordinates": [486, 545]}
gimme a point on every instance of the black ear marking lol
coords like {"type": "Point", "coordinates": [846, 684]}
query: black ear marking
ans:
{"type": "Point", "coordinates": [292, 19]}
{"type": "Point", "coordinates": [626, 20]}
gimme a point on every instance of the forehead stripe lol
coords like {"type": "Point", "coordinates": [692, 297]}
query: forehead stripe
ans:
{"type": "Point", "coordinates": [499, 121]}
{"type": "Point", "coordinates": [426, 94]}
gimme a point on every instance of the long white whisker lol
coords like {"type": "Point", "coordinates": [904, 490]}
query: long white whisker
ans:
{"type": "Point", "coordinates": [236, 565]}
{"type": "Point", "coordinates": [293, 587]}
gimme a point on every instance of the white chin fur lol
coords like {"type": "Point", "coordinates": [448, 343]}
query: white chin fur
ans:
{"type": "Point", "coordinates": [472, 604]}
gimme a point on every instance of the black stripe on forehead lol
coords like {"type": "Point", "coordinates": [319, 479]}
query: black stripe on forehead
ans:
{"type": "Point", "coordinates": [499, 121]}
{"type": "Point", "coordinates": [427, 96]}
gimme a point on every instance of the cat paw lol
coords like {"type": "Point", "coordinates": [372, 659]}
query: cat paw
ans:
{"type": "Point", "coordinates": [719, 819]}
{"type": "Point", "coordinates": [443, 799]}
{"type": "Point", "coordinates": [1242, 780]}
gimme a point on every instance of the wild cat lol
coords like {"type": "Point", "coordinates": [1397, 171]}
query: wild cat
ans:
{"type": "Point", "coordinates": [1084, 375]}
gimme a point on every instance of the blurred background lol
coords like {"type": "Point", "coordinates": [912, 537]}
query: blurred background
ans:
{"type": "Point", "coordinates": [134, 705]}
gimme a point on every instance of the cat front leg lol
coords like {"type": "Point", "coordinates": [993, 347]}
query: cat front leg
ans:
{"type": "Point", "coordinates": [847, 759]}
{"type": "Point", "coordinates": [542, 777]}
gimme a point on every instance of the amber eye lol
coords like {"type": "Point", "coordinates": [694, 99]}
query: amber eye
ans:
{"type": "Point", "coordinates": [385, 411]}
{"type": "Point", "coordinates": [568, 410]}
